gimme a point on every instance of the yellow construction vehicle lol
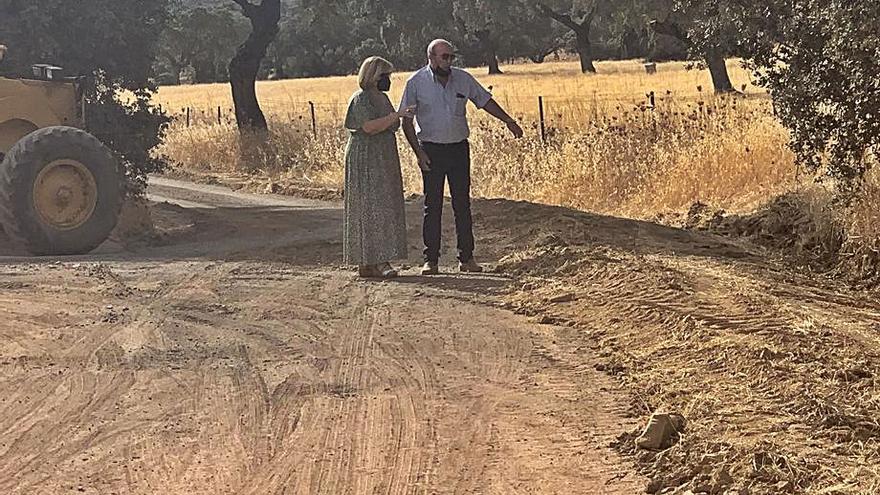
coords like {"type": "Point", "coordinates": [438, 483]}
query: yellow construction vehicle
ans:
{"type": "Point", "coordinates": [60, 187]}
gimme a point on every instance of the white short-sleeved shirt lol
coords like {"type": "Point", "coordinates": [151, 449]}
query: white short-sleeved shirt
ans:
{"type": "Point", "coordinates": [441, 112]}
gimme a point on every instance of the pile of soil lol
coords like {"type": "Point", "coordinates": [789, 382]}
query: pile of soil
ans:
{"type": "Point", "coordinates": [774, 370]}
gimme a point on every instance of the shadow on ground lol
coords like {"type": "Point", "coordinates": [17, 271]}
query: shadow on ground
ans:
{"type": "Point", "coordinates": [310, 236]}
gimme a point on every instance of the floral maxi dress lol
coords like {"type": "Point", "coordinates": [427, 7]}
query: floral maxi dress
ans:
{"type": "Point", "coordinates": [374, 222]}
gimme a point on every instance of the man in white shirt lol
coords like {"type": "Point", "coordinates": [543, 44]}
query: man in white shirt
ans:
{"type": "Point", "coordinates": [439, 137]}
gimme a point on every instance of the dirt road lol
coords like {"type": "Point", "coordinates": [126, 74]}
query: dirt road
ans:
{"type": "Point", "coordinates": [235, 356]}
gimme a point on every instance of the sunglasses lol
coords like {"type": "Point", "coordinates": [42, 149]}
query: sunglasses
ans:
{"type": "Point", "coordinates": [448, 56]}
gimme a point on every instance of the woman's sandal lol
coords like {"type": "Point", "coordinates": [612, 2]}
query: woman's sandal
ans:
{"type": "Point", "coordinates": [384, 270]}
{"type": "Point", "coordinates": [387, 271]}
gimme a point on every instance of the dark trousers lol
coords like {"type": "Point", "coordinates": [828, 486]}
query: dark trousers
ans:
{"type": "Point", "coordinates": [450, 162]}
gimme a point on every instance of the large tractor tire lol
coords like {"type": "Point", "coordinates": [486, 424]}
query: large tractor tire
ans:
{"type": "Point", "coordinates": [60, 192]}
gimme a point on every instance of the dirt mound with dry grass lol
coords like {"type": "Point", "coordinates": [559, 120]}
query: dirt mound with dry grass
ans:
{"type": "Point", "coordinates": [803, 225]}
{"type": "Point", "coordinates": [806, 227]}
{"type": "Point", "coordinates": [135, 224]}
{"type": "Point", "coordinates": [775, 371]}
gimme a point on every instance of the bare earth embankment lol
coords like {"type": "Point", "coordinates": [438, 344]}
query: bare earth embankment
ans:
{"type": "Point", "coordinates": [233, 354]}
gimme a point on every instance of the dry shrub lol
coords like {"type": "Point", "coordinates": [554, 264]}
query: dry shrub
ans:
{"type": "Point", "coordinates": [811, 227]}
{"type": "Point", "coordinates": [862, 223]}
{"type": "Point", "coordinates": [204, 148]}
{"type": "Point", "coordinates": [804, 224]}
{"type": "Point", "coordinates": [637, 161]}
{"type": "Point", "coordinates": [290, 159]}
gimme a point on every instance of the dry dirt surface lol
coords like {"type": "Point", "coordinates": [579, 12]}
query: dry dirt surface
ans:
{"type": "Point", "coordinates": [228, 352]}
{"type": "Point", "coordinates": [776, 369]}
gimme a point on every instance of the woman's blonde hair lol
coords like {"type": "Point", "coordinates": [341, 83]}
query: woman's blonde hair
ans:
{"type": "Point", "coordinates": [371, 69]}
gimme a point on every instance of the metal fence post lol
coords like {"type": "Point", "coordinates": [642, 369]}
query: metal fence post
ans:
{"type": "Point", "coordinates": [541, 115]}
{"type": "Point", "coordinates": [314, 120]}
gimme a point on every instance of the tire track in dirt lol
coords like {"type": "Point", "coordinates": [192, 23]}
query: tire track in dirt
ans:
{"type": "Point", "coordinates": [214, 371]}
{"type": "Point", "coordinates": [666, 295]}
{"type": "Point", "coordinates": [366, 427]}
{"type": "Point", "coordinates": [361, 430]}
{"type": "Point", "coordinates": [57, 400]}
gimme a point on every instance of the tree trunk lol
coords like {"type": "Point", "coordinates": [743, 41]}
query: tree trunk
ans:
{"type": "Point", "coordinates": [205, 71]}
{"type": "Point", "coordinates": [245, 64]}
{"type": "Point", "coordinates": [581, 30]}
{"type": "Point", "coordinates": [489, 50]}
{"type": "Point", "coordinates": [714, 58]}
{"type": "Point", "coordinates": [585, 51]}
{"type": "Point", "coordinates": [176, 68]}
{"type": "Point", "coordinates": [630, 44]}
{"type": "Point", "coordinates": [280, 71]}
{"type": "Point", "coordinates": [494, 68]}
{"type": "Point", "coordinates": [718, 70]}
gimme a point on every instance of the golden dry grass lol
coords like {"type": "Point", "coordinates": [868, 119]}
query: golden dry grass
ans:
{"type": "Point", "coordinates": [605, 151]}
{"type": "Point", "coordinates": [518, 88]}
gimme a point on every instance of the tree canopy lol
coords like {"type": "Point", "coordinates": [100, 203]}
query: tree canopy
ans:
{"type": "Point", "coordinates": [819, 60]}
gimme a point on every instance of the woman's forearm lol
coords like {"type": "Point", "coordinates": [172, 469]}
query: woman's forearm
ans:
{"type": "Point", "coordinates": [376, 126]}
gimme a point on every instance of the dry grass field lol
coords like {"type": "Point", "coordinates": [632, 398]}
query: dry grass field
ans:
{"type": "Point", "coordinates": [605, 150]}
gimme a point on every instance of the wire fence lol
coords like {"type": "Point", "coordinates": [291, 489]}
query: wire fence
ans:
{"type": "Point", "coordinates": [541, 110]}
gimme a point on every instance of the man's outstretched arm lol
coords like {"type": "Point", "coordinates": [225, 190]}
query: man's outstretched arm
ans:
{"type": "Point", "coordinates": [495, 110]}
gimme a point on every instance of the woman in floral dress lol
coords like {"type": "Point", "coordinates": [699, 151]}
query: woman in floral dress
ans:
{"type": "Point", "coordinates": [375, 223]}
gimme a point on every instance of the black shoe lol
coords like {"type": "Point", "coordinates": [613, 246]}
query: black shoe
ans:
{"type": "Point", "coordinates": [470, 266]}
{"type": "Point", "coordinates": [430, 268]}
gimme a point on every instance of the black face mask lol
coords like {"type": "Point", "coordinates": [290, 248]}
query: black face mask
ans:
{"type": "Point", "coordinates": [384, 83]}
